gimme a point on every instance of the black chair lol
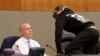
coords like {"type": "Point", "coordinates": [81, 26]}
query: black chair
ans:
{"type": "Point", "coordinates": [8, 42]}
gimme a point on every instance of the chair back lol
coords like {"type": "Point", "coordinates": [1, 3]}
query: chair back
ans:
{"type": "Point", "coordinates": [8, 42]}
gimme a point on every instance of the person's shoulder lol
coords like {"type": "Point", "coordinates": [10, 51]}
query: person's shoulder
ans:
{"type": "Point", "coordinates": [19, 40]}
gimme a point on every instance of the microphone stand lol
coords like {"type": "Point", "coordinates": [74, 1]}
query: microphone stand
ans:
{"type": "Point", "coordinates": [51, 48]}
{"type": "Point", "coordinates": [19, 49]}
{"type": "Point", "coordinates": [54, 50]}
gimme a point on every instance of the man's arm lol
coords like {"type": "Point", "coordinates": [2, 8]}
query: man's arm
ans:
{"type": "Point", "coordinates": [59, 25]}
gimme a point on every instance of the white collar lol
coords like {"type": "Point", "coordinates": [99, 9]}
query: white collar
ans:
{"type": "Point", "coordinates": [25, 40]}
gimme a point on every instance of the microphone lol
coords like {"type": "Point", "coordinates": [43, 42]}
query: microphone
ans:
{"type": "Point", "coordinates": [18, 49]}
{"type": "Point", "coordinates": [51, 48]}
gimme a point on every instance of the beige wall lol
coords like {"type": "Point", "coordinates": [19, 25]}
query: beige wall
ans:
{"type": "Point", "coordinates": [42, 25]}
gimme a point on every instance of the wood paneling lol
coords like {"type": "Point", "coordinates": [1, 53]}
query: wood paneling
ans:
{"type": "Point", "coordinates": [79, 5]}
{"type": "Point", "coordinates": [37, 5]}
{"type": "Point", "coordinates": [93, 5]}
{"type": "Point", "coordinates": [49, 5]}
{"type": "Point", "coordinates": [9, 4]}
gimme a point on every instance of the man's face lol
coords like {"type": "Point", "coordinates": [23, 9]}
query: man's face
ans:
{"type": "Point", "coordinates": [56, 13]}
{"type": "Point", "coordinates": [26, 30]}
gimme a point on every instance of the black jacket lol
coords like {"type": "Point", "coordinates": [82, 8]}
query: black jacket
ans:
{"type": "Point", "coordinates": [70, 22]}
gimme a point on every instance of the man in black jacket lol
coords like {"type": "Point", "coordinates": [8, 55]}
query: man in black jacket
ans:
{"type": "Point", "coordinates": [87, 35]}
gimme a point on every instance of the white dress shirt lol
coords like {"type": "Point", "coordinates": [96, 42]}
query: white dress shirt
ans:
{"type": "Point", "coordinates": [21, 45]}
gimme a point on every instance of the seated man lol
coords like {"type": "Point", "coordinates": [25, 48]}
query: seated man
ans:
{"type": "Point", "coordinates": [23, 44]}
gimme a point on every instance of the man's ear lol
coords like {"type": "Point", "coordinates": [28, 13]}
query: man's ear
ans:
{"type": "Point", "coordinates": [20, 33]}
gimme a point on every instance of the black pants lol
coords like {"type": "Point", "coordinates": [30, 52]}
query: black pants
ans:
{"type": "Point", "coordinates": [86, 41]}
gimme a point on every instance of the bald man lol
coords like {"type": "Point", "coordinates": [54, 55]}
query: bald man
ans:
{"type": "Point", "coordinates": [23, 44]}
